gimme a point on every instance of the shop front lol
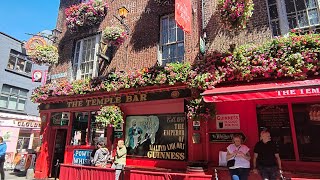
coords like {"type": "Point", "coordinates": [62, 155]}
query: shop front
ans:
{"type": "Point", "coordinates": [156, 132]}
{"type": "Point", "coordinates": [289, 110]}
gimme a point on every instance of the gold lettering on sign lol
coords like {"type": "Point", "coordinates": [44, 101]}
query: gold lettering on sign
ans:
{"type": "Point", "coordinates": [107, 100]}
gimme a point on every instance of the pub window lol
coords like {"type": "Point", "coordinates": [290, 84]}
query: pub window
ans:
{"type": "Point", "coordinates": [275, 119]}
{"type": "Point", "coordinates": [171, 41]}
{"type": "Point", "coordinates": [300, 14]}
{"type": "Point", "coordinates": [13, 98]}
{"type": "Point", "coordinates": [85, 59]}
{"type": "Point", "coordinates": [79, 128]}
{"type": "Point", "coordinates": [19, 63]}
{"type": "Point", "coordinates": [307, 125]}
{"type": "Point", "coordinates": [97, 131]}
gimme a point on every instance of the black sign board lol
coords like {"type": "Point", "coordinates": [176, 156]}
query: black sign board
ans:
{"type": "Point", "coordinates": [224, 137]}
{"type": "Point", "coordinates": [157, 136]}
{"type": "Point", "coordinates": [57, 119]}
{"type": "Point", "coordinates": [102, 100]}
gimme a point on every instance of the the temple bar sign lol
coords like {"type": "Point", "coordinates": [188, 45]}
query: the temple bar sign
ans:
{"type": "Point", "coordinates": [99, 101]}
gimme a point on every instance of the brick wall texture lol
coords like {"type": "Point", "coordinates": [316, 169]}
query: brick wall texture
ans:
{"type": "Point", "coordinates": [141, 47]}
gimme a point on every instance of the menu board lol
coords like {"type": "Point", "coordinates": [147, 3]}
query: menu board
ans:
{"type": "Point", "coordinates": [275, 119]}
{"type": "Point", "coordinates": [157, 136]}
{"type": "Point", "coordinates": [273, 116]}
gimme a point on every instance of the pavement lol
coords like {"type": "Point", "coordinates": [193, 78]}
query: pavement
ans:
{"type": "Point", "coordinates": [10, 175]}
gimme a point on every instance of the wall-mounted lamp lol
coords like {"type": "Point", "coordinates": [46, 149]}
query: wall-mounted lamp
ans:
{"type": "Point", "coordinates": [123, 12]}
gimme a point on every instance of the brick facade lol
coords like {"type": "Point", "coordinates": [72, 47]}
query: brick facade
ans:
{"type": "Point", "coordinates": [141, 47]}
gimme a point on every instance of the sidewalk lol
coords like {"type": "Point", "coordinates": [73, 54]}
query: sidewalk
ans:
{"type": "Point", "coordinates": [10, 175]}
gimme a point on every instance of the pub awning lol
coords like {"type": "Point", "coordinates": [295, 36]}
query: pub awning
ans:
{"type": "Point", "coordinates": [259, 91]}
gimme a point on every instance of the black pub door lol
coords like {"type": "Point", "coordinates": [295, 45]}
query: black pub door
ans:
{"type": "Point", "coordinates": [58, 152]}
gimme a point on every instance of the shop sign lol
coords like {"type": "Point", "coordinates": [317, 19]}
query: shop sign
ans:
{"type": "Point", "coordinates": [57, 76]}
{"type": "Point", "coordinates": [101, 101]}
{"type": "Point", "coordinates": [292, 92]}
{"type": "Point", "coordinates": [228, 121]}
{"type": "Point", "coordinates": [224, 137]}
{"type": "Point", "coordinates": [157, 136]}
{"type": "Point", "coordinates": [81, 156]}
{"type": "Point", "coordinates": [27, 124]}
{"type": "Point", "coordinates": [196, 125]}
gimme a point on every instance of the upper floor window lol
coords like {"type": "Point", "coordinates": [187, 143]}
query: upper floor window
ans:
{"type": "Point", "coordinates": [171, 41]}
{"type": "Point", "coordinates": [296, 14]}
{"type": "Point", "coordinates": [19, 63]}
{"type": "Point", "coordinates": [13, 98]}
{"type": "Point", "coordinates": [85, 59]}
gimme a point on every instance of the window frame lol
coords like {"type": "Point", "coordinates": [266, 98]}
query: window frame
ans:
{"type": "Point", "coordinates": [283, 17]}
{"type": "Point", "coordinates": [17, 58]}
{"type": "Point", "coordinates": [161, 44]}
{"type": "Point", "coordinates": [17, 96]}
{"type": "Point", "coordinates": [77, 58]}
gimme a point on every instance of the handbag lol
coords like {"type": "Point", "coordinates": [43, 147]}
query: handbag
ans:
{"type": "Point", "coordinates": [231, 162]}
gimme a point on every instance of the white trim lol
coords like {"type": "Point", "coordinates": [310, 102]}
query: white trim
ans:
{"type": "Point", "coordinates": [78, 60]}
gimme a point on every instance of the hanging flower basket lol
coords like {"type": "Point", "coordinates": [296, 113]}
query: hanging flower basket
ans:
{"type": "Point", "coordinates": [85, 14]}
{"type": "Point", "coordinates": [198, 109]}
{"type": "Point", "coordinates": [114, 35]}
{"type": "Point", "coordinates": [110, 115]}
{"type": "Point", "coordinates": [46, 54]}
{"type": "Point", "coordinates": [235, 14]}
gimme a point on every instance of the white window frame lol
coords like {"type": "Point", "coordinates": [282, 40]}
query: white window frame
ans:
{"type": "Point", "coordinates": [77, 60]}
{"type": "Point", "coordinates": [17, 96]}
{"type": "Point", "coordinates": [17, 57]}
{"type": "Point", "coordinates": [160, 62]}
{"type": "Point", "coordinates": [283, 18]}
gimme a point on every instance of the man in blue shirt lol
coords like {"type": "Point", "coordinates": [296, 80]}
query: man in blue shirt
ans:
{"type": "Point", "coordinates": [3, 149]}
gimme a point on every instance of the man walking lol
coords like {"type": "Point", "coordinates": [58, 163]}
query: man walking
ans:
{"type": "Point", "coordinates": [266, 158]}
{"type": "Point", "coordinates": [120, 159]}
{"type": "Point", "coordinates": [3, 149]}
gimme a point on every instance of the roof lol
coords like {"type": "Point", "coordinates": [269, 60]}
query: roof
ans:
{"type": "Point", "coordinates": [11, 37]}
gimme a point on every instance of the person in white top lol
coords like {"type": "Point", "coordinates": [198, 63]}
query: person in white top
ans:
{"type": "Point", "coordinates": [240, 153]}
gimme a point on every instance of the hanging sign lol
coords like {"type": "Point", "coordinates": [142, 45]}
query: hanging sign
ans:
{"type": "Point", "coordinates": [183, 14]}
{"type": "Point", "coordinates": [37, 75]}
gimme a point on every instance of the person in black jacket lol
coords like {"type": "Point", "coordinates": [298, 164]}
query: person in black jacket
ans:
{"type": "Point", "coordinates": [266, 158]}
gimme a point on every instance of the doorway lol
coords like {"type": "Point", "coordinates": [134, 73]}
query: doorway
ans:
{"type": "Point", "coordinates": [58, 151]}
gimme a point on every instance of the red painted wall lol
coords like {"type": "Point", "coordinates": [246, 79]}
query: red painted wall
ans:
{"type": "Point", "coordinates": [248, 125]}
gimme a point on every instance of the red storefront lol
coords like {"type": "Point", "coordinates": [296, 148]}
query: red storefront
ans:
{"type": "Point", "coordinates": [288, 109]}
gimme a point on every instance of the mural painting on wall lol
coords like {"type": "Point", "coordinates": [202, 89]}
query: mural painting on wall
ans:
{"type": "Point", "coordinates": [157, 136]}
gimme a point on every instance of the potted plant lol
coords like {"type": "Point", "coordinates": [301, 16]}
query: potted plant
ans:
{"type": "Point", "coordinates": [46, 54]}
{"type": "Point", "coordinates": [114, 35]}
{"type": "Point", "coordinates": [85, 14]}
{"type": "Point", "coordinates": [235, 14]}
{"type": "Point", "coordinates": [110, 115]}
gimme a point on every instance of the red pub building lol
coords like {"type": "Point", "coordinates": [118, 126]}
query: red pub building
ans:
{"type": "Point", "coordinates": [170, 145]}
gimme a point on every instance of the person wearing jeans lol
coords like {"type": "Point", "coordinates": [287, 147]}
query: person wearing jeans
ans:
{"type": "Point", "coordinates": [240, 153]}
{"type": "Point", "coordinates": [120, 159]}
{"type": "Point", "coordinates": [3, 149]}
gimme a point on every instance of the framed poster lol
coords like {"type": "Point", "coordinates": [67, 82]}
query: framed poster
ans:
{"type": "Point", "coordinates": [157, 136]}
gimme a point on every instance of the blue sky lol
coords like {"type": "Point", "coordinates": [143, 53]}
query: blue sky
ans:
{"type": "Point", "coordinates": [18, 17]}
